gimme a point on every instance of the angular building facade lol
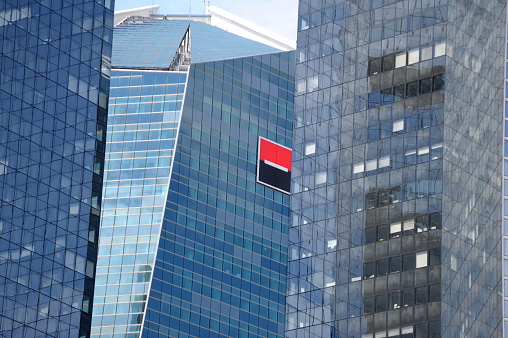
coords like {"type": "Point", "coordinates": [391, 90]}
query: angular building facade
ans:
{"type": "Point", "coordinates": [54, 82]}
{"type": "Point", "coordinates": [396, 198]}
{"type": "Point", "coordinates": [191, 244]}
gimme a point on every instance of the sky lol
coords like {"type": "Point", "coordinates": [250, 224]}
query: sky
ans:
{"type": "Point", "coordinates": [279, 16]}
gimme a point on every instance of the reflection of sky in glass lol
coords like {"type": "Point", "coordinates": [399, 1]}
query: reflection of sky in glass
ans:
{"type": "Point", "coordinates": [209, 43]}
{"type": "Point", "coordinates": [143, 119]}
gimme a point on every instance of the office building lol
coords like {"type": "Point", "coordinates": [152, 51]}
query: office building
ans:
{"type": "Point", "coordinates": [54, 82]}
{"type": "Point", "coordinates": [190, 243]}
{"type": "Point", "coordinates": [396, 227]}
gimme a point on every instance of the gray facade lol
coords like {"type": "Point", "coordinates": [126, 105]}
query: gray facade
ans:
{"type": "Point", "coordinates": [396, 213]}
{"type": "Point", "coordinates": [472, 169]}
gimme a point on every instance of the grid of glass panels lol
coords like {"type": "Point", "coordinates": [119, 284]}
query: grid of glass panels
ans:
{"type": "Point", "coordinates": [144, 115]}
{"type": "Point", "coordinates": [366, 226]}
{"type": "Point", "coordinates": [472, 236]}
{"type": "Point", "coordinates": [221, 263]}
{"type": "Point", "coordinates": [54, 81]}
{"type": "Point", "coordinates": [209, 43]}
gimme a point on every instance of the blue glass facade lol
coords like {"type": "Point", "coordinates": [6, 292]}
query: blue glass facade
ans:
{"type": "Point", "coordinates": [54, 83]}
{"type": "Point", "coordinates": [143, 120]}
{"type": "Point", "coordinates": [221, 262]}
{"type": "Point", "coordinates": [208, 256]}
{"type": "Point", "coordinates": [209, 43]}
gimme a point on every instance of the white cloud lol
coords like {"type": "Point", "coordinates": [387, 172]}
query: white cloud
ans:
{"type": "Point", "coordinates": [279, 16]}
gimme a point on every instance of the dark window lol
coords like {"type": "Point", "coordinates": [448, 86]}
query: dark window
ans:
{"type": "Point", "coordinates": [370, 235]}
{"type": "Point", "coordinates": [421, 330]}
{"type": "Point", "coordinates": [388, 62]}
{"type": "Point", "coordinates": [381, 303]}
{"type": "Point", "coordinates": [421, 295]}
{"type": "Point", "coordinates": [383, 232]}
{"type": "Point", "coordinates": [382, 267]}
{"type": "Point", "coordinates": [439, 82]}
{"type": "Point", "coordinates": [422, 223]}
{"type": "Point", "coordinates": [369, 305]}
{"type": "Point", "coordinates": [435, 221]}
{"type": "Point", "coordinates": [369, 270]}
{"type": "Point", "coordinates": [375, 66]}
{"type": "Point", "coordinates": [384, 198]}
{"type": "Point", "coordinates": [426, 85]}
{"type": "Point", "coordinates": [399, 93]}
{"type": "Point", "coordinates": [412, 89]}
{"type": "Point", "coordinates": [408, 297]}
{"type": "Point", "coordinates": [394, 299]}
{"type": "Point", "coordinates": [408, 262]}
{"type": "Point", "coordinates": [371, 200]}
{"type": "Point", "coordinates": [435, 292]}
{"type": "Point", "coordinates": [435, 256]}
{"type": "Point", "coordinates": [395, 264]}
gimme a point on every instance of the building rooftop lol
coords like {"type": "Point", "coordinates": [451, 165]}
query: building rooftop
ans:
{"type": "Point", "coordinates": [157, 42]}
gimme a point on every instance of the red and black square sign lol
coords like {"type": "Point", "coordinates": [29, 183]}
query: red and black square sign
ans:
{"type": "Point", "coordinates": [274, 165]}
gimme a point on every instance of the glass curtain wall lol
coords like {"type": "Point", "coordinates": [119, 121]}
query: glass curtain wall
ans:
{"type": "Point", "coordinates": [54, 80]}
{"type": "Point", "coordinates": [221, 262]}
{"type": "Point", "coordinates": [366, 226]}
{"type": "Point", "coordinates": [144, 116]}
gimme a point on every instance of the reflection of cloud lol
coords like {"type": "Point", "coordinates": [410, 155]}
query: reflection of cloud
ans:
{"type": "Point", "coordinates": [279, 16]}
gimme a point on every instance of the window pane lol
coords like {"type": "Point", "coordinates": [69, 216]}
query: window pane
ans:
{"type": "Point", "coordinates": [395, 229]}
{"type": "Point", "coordinates": [421, 295]}
{"type": "Point", "coordinates": [412, 89]}
{"type": "Point", "coordinates": [369, 305]}
{"type": "Point", "coordinates": [440, 49]}
{"type": "Point", "coordinates": [435, 292]}
{"type": "Point", "coordinates": [421, 259]}
{"type": "Point", "coordinates": [310, 149]}
{"type": "Point", "coordinates": [394, 300]}
{"type": "Point", "coordinates": [398, 125]}
{"type": "Point", "coordinates": [382, 232]}
{"type": "Point", "coordinates": [375, 66]}
{"type": "Point", "coordinates": [382, 267]}
{"type": "Point", "coordinates": [408, 298]}
{"type": "Point", "coordinates": [370, 235]}
{"type": "Point", "coordinates": [388, 63]}
{"type": "Point", "coordinates": [435, 256]}
{"type": "Point", "coordinates": [358, 168]}
{"type": "Point", "coordinates": [413, 56]}
{"type": "Point", "coordinates": [395, 264]}
{"type": "Point", "coordinates": [408, 262]}
{"type": "Point", "coordinates": [427, 53]}
{"type": "Point", "coordinates": [400, 60]}
{"type": "Point", "coordinates": [381, 303]}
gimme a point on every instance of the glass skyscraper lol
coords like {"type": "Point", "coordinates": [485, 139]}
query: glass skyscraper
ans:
{"type": "Point", "coordinates": [191, 244]}
{"type": "Point", "coordinates": [396, 227]}
{"type": "Point", "coordinates": [54, 82]}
